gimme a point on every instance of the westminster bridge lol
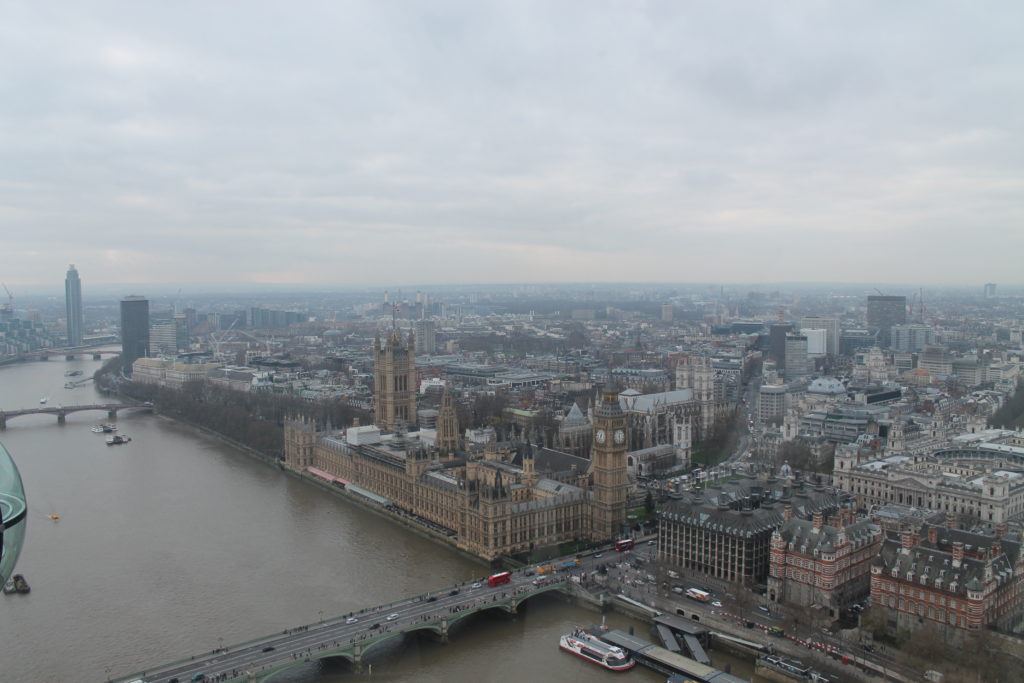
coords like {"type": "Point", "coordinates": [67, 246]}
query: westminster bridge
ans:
{"type": "Point", "coordinates": [62, 411]}
{"type": "Point", "coordinates": [351, 636]}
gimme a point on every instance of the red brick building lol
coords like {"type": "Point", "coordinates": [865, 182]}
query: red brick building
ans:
{"type": "Point", "coordinates": [825, 566]}
{"type": "Point", "coordinates": [957, 580]}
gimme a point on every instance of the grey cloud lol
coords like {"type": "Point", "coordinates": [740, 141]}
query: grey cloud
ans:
{"type": "Point", "coordinates": [260, 138]}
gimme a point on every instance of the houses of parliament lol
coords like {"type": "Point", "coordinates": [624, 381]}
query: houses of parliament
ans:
{"type": "Point", "coordinates": [494, 500]}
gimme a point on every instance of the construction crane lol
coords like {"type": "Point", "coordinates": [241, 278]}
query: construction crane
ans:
{"type": "Point", "coordinates": [919, 300]}
{"type": "Point", "coordinates": [9, 306]}
{"type": "Point", "coordinates": [216, 340]}
{"type": "Point", "coordinates": [265, 342]}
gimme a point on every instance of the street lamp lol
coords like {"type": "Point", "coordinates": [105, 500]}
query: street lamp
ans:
{"type": "Point", "coordinates": [321, 616]}
{"type": "Point", "coordinates": [220, 643]}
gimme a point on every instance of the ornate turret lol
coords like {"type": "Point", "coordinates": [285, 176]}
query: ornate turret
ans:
{"type": "Point", "coordinates": [447, 426]}
{"type": "Point", "coordinates": [529, 474]}
{"type": "Point", "coordinates": [299, 443]}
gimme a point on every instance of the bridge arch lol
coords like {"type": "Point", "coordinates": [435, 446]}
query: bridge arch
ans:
{"type": "Point", "coordinates": [62, 411]}
{"type": "Point", "coordinates": [269, 674]}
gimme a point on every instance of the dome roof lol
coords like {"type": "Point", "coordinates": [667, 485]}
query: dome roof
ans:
{"type": "Point", "coordinates": [826, 385]}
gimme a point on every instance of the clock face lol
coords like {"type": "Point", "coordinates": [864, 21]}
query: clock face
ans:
{"type": "Point", "coordinates": [620, 436]}
{"type": "Point", "coordinates": [599, 436]}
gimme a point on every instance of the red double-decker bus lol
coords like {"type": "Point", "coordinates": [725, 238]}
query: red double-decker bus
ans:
{"type": "Point", "coordinates": [498, 579]}
{"type": "Point", "coordinates": [624, 544]}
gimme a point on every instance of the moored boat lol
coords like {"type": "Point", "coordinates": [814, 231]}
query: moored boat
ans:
{"type": "Point", "coordinates": [20, 584]}
{"type": "Point", "coordinates": [9, 587]}
{"type": "Point", "coordinates": [118, 439]}
{"type": "Point", "coordinates": [592, 648]}
{"type": "Point", "coordinates": [103, 428]}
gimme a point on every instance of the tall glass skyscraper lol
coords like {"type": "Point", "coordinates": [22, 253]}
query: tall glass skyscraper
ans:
{"type": "Point", "coordinates": [134, 331]}
{"type": "Point", "coordinates": [883, 313]}
{"type": "Point", "coordinates": [73, 301]}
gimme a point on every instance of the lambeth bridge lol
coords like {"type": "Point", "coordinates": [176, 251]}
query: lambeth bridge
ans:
{"type": "Point", "coordinates": [68, 352]}
{"type": "Point", "coordinates": [62, 411]}
{"type": "Point", "coordinates": [349, 637]}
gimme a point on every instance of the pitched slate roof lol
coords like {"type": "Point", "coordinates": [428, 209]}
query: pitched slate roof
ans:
{"type": "Point", "coordinates": [926, 563]}
{"type": "Point", "coordinates": [575, 417]}
{"type": "Point", "coordinates": [799, 534]}
{"type": "Point", "coordinates": [548, 461]}
{"type": "Point", "coordinates": [747, 506]}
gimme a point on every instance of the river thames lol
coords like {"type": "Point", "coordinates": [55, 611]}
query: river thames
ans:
{"type": "Point", "coordinates": [176, 544]}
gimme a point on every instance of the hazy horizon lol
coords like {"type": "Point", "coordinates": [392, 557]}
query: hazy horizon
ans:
{"type": "Point", "coordinates": [171, 290]}
{"type": "Point", "coordinates": [365, 144]}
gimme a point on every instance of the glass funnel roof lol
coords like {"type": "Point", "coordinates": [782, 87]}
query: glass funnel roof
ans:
{"type": "Point", "coordinates": [12, 514]}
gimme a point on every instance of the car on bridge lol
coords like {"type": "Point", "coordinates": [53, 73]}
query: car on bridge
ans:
{"type": "Point", "coordinates": [477, 585]}
{"type": "Point", "coordinates": [351, 620]}
{"type": "Point", "coordinates": [392, 616]}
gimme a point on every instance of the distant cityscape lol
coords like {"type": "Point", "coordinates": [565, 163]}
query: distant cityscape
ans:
{"type": "Point", "coordinates": [833, 449]}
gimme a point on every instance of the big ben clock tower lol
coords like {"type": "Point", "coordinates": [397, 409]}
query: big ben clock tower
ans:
{"type": "Point", "coordinates": [608, 468]}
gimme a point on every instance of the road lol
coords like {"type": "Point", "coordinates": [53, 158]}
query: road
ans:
{"type": "Point", "coordinates": [732, 616]}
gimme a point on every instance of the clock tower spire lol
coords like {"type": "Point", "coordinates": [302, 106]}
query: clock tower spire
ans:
{"type": "Point", "coordinates": [608, 469]}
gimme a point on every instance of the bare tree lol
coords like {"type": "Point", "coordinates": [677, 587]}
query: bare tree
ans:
{"type": "Point", "coordinates": [874, 621]}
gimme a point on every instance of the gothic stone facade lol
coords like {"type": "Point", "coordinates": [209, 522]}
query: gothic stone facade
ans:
{"type": "Point", "coordinates": [510, 499]}
{"type": "Point", "coordinates": [394, 380]}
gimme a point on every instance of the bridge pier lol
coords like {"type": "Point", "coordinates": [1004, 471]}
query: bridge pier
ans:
{"type": "Point", "coordinates": [444, 630]}
{"type": "Point", "coordinates": [357, 658]}
{"type": "Point", "coordinates": [69, 356]}
{"type": "Point", "coordinates": [3, 422]}
{"type": "Point", "coordinates": [61, 417]}
{"type": "Point", "coordinates": [112, 413]}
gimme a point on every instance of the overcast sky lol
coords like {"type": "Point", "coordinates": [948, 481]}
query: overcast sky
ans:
{"type": "Point", "coordinates": [387, 143]}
